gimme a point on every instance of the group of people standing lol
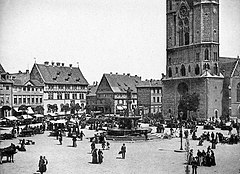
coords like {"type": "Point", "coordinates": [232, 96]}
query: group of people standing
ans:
{"type": "Point", "coordinates": [202, 159]}
{"type": "Point", "coordinates": [42, 165]}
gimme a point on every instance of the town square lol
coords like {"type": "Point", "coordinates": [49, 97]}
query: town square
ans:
{"type": "Point", "coordinates": [125, 87]}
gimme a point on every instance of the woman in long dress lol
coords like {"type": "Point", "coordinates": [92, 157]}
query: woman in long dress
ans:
{"type": "Point", "coordinates": [41, 165]}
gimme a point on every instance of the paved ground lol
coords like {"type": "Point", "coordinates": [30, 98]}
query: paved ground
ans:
{"type": "Point", "coordinates": [154, 156]}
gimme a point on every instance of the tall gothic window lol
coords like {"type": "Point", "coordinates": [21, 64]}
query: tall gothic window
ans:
{"type": "Point", "coordinates": [197, 57]}
{"type": "Point", "coordinates": [206, 66]}
{"type": "Point", "coordinates": [183, 70]}
{"type": "Point", "coordinates": [181, 37]}
{"type": "Point", "coordinates": [215, 69]}
{"type": "Point", "coordinates": [176, 70]}
{"type": "Point", "coordinates": [189, 68]}
{"type": "Point", "coordinates": [169, 72]}
{"type": "Point", "coordinates": [186, 38]}
{"type": "Point", "coordinates": [170, 4]}
{"type": "Point", "coordinates": [197, 70]}
{"type": "Point", "coordinates": [206, 54]}
{"type": "Point", "coordinates": [238, 92]}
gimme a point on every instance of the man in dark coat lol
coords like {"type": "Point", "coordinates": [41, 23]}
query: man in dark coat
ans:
{"type": "Point", "coordinates": [123, 151]}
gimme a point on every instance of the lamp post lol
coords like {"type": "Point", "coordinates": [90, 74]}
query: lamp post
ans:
{"type": "Point", "coordinates": [181, 114]}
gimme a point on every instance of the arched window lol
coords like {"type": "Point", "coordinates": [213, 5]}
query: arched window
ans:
{"type": "Point", "coordinates": [215, 69]}
{"type": "Point", "coordinates": [181, 37]}
{"type": "Point", "coordinates": [186, 38]}
{"type": "Point", "coordinates": [169, 61]}
{"type": "Point", "coordinates": [169, 72]}
{"type": "Point", "coordinates": [183, 70]}
{"type": "Point", "coordinates": [189, 68]}
{"type": "Point", "coordinates": [238, 92]}
{"type": "Point", "coordinates": [206, 66]}
{"type": "Point", "coordinates": [176, 70]}
{"type": "Point", "coordinates": [197, 70]}
{"type": "Point", "coordinates": [206, 54]}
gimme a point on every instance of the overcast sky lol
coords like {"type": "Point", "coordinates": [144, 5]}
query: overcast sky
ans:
{"type": "Point", "coordinates": [124, 36]}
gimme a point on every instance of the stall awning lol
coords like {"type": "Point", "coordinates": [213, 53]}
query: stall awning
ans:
{"type": "Point", "coordinates": [11, 118]}
{"type": "Point", "coordinates": [26, 117]}
{"type": "Point", "coordinates": [38, 115]}
{"type": "Point", "coordinates": [119, 108]}
{"type": "Point", "coordinates": [30, 111]}
{"type": "Point", "coordinates": [60, 121]}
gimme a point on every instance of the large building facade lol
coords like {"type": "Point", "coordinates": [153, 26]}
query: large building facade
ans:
{"type": "Point", "coordinates": [6, 85]}
{"type": "Point", "coordinates": [149, 96]}
{"type": "Point", "coordinates": [26, 91]}
{"type": "Point", "coordinates": [193, 57]}
{"type": "Point", "coordinates": [62, 84]}
{"type": "Point", "coordinates": [112, 92]}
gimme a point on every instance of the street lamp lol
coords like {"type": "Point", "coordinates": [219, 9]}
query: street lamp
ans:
{"type": "Point", "coordinates": [181, 114]}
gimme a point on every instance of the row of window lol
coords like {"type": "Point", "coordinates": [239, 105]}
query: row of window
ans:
{"type": "Point", "coordinates": [197, 69]}
{"type": "Point", "coordinates": [27, 88]}
{"type": "Point", "coordinates": [19, 99]}
{"type": "Point", "coordinates": [66, 96]}
{"type": "Point", "coordinates": [124, 102]}
{"type": "Point", "coordinates": [206, 57]}
{"type": "Point", "coordinates": [65, 87]}
{"type": "Point", "coordinates": [157, 99]}
{"type": "Point", "coordinates": [4, 99]}
{"type": "Point", "coordinates": [156, 91]}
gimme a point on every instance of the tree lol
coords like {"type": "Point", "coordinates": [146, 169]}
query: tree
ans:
{"type": "Point", "coordinates": [23, 108]}
{"type": "Point", "coordinates": [188, 102]}
{"type": "Point", "coordinates": [54, 108]}
{"type": "Point", "coordinates": [77, 108]}
{"type": "Point", "coordinates": [66, 108]}
{"type": "Point", "coordinates": [72, 107]}
{"type": "Point", "coordinates": [49, 106]}
{"type": "Point", "coordinates": [39, 109]}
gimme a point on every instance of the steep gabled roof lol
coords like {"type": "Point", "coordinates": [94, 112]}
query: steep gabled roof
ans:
{"type": "Point", "coordinates": [20, 78]}
{"type": "Point", "coordinates": [92, 90]}
{"type": "Point", "coordinates": [1, 69]}
{"type": "Point", "coordinates": [61, 74]}
{"type": "Point", "coordinates": [120, 83]}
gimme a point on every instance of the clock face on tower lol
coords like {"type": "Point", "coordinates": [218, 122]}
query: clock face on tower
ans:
{"type": "Point", "coordinates": [183, 11]}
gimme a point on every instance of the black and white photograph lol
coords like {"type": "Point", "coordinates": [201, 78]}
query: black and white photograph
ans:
{"type": "Point", "coordinates": [119, 86]}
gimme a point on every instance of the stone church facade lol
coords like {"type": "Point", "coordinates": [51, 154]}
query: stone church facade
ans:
{"type": "Point", "coordinates": [193, 57]}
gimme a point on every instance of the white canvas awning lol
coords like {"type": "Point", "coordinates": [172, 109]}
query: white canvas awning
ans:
{"type": "Point", "coordinates": [11, 118]}
{"type": "Point", "coordinates": [60, 121]}
{"type": "Point", "coordinates": [30, 111]}
{"type": "Point", "coordinates": [27, 117]}
{"type": "Point", "coordinates": [38, 115]}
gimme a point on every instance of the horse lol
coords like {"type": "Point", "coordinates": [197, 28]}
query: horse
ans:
{"type": "Point", "coordinates": [8, 152]}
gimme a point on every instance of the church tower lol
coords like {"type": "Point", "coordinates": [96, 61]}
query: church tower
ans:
{"type": "Point", "coordinates": [193, 56]}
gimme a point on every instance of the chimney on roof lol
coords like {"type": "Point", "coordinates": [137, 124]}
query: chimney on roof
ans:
{"type": "Point", "coordinates": [27, 71]}
{"type": "Point", "coordinates": [70, 65]}
{"type": "Point", "coordinates": [46, 63]}
{"type": "Point", "coordinates": [62, 64]}
{"type": "Point", "coordinates": [96, 83]}
{"type": "Point", "coordinates": [117, 73]}
{"type": "Point", "coordinates": [19, 71]}
{"type": "Point", "coordinates": [58, 63]}
{"type": "Point", "coordinates": [128, 74]}
{"type": "Point", "coordinates": [110, 72]}
{"type": "Point", "coordinates": [124, 74]}
{"type": "Point", "coordinates": [52, 63]}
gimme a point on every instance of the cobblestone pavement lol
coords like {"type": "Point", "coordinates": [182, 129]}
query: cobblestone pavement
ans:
{"type": "Point", "coordinates": [142, 157]}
